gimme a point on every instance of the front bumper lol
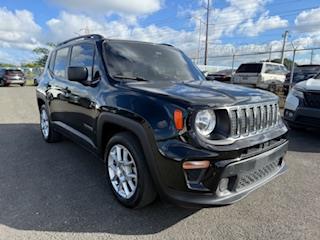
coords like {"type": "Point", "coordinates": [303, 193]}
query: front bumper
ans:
{"type": "Point", "coordinates": [303, 116]}
{"type": "Point", "coordinates": [225, 181]}
{"type": "Point", "coordinates": [14, 81]}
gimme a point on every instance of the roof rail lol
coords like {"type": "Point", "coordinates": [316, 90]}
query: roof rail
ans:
{"type": "Point", "coordinates": [166, 44]}
{"type": "Point", "coordinates": [89, 36]}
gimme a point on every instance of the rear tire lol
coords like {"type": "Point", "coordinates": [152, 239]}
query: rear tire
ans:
{"type": "Point", "coordinates": [127, 173]}
{"type": "Point", "coordinates": [48, 134]}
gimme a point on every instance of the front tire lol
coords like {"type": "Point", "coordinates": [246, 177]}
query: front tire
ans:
{"type": "Point", "coordinates": [127, 173]}
{"type": "Point", "coordinates": [48, 134]}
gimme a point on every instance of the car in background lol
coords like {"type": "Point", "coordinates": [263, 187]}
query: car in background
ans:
{"type": "Point", "coordinates": [265, 75]}
{"type": "Point", "coordinates": [301, 73]}
{"type": "Point", "coordinates": [221, 76]}
{"type": "Point", "coordinates": [12, 76]}
{"type": "Point", "coordinates": [302, 108]}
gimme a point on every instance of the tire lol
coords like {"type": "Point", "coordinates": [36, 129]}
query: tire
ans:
{"type": "Point", "coordinates": [22, 84]}
{"type": "Point", "coordinates": [141, 190]}
{"type": "Point", "coordinates": [48, 134]}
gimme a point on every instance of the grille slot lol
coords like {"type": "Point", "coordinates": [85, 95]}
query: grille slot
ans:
{"type": "Point", "coordinates": [247, 120]}
{"type": "Point", "coordinates": [312, 99]}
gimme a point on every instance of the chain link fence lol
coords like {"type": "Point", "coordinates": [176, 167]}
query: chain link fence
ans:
{"type": "Point", "coordinates": [293, 57]}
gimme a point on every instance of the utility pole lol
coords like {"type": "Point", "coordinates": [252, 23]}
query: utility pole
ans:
{"type": "Point", "coordinates": [199, 43]}
{"type": "Point", "coordinates": [311, 58]}
{"type": "Point", "coordinates": [207, 34]}
{"type": "Point", "coordinates": [285, 38]}
{"type": "Point", "coordinates": [293, 65]}
{"type": "Point", "coordinates": [270, 53]}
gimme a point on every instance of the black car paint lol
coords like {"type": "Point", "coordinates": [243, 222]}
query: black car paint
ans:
{"type": "Point", "coordinates": [86, 113]}
{"type": "Point", "coordinates": [305, 115]}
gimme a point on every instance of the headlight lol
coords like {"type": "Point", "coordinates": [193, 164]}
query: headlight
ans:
{"type": "Point", "coordinates": [297, 92]}
{"type": "Point", "coordinates": [205, 122]}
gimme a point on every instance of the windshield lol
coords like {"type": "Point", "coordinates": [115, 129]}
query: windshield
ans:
{"type": "Point", "coordinates": [136, 60]}
{"type": "Point", "coordinates": [308, 69]}
{"type": "Point", "coordinates": [18, 72]}
{"type": "Point", "coordinates": [250, 68]}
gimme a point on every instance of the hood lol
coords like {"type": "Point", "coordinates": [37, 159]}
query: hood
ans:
{"type": "Point", "coordinates": [210, 93]}
{"type": "Point", "coordinates": [310, 85]}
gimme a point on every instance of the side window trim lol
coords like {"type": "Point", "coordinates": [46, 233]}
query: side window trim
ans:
{"type": "Point", "coordinates": [52, 62]}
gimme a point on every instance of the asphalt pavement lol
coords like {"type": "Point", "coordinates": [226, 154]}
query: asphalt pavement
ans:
{"type": "Point", "coordinates": [57, 191]}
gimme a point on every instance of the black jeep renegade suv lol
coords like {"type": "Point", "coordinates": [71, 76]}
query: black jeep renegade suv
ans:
{"type": "Point", "coordinates": [159, 126]}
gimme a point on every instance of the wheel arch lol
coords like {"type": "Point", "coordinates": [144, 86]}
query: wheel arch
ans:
{"type": "Point", "coordinates": [139, 128]}
{"type": "Point", "coordinates": [109, 124]}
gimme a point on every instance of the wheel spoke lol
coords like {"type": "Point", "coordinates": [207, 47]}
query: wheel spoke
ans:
{"type": "Point", "coordinates": [132, 176]}
{"type": "Point", "coordinates": [131, 184]}
{"type": "Point", "coordinates": [119, 159]}
{"type": "Point", "coordinates": [125, 188]}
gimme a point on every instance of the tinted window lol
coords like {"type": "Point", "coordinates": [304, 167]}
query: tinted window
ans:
{"type": "Point", "coordinates": [250, 68]}
{"type": "Point", "coordinates": [149, 61]}
{"type": "Point", "coordinates": [309, 68]}
{"type": "Point", "coordinates": [61, 62]}
{"type": "Point", "coordinates": [275, 69]}
{"type": "Point", "coordinates": [82, 56]}
{"type": "Point", "coordinates": [19, 72]}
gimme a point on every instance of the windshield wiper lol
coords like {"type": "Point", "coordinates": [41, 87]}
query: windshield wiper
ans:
{"type": "Point", "coordinates": [130, 78]}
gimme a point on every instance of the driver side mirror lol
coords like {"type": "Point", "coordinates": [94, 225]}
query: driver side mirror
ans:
{"type": "Point", "coordinates": [78, 74]}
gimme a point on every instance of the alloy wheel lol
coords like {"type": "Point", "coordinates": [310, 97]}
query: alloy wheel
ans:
{"type": "Point", "coordinates": [122, 171]}
{"type": "Point", "coordinates": [44, 123]}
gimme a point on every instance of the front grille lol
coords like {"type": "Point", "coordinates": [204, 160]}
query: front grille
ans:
{"type": "Point", "coordinates": [258, 174]}
{"type": "Point", "coordinates": [312, 99]}
{"type": "Point", "coordinates": [245, 120]}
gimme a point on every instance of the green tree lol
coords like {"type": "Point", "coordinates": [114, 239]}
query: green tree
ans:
{"type": "Point", "coordinates": [42, 53]}
{"type": "Point", "coordinates": [6, 65]}
{"type": "Point", "coordinates": [287, 62]}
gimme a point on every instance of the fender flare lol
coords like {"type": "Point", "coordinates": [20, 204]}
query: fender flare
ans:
{"type": "Point", "coordinates": [141, 130]}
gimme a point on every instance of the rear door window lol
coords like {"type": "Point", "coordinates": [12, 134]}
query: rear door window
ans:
{"type": "Point", "coordinates": [61, 63]}
{"type": "Point", "coordinates": [250, 68]}
{"type": "Point", "coordinates": [82, 56]}
{"type": "Point", "coordinates": [275, 69]}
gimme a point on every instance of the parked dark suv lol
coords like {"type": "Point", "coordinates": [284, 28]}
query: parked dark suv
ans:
{"type": "Point", "coordinates": [159, 126]}
{"type": "Point", "coordinates": [12, 76]}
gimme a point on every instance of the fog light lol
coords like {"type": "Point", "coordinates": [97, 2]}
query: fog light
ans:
{"type": "Point", "coordinates": [223, 185]}
{"type": "Point", "coordinates": [289, 114]}
{"type": "Point", "coordinates": [196, 164]}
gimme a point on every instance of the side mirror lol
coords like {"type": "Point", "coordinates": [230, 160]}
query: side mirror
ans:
{"type": "Point", "coordinates": [78, 74]}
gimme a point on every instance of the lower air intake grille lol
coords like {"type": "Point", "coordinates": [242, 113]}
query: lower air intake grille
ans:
{"type": "Point", "coordinates": [257, 175]}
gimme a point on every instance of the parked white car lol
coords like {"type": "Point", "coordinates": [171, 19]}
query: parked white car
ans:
{"type": "Point", "coordinates": [302, 108]}
{"type": "Point", "coordinates": [265, 75]}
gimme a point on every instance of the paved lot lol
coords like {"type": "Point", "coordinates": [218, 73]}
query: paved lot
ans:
{"type": "Point", "coordinates": [57, 191]}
